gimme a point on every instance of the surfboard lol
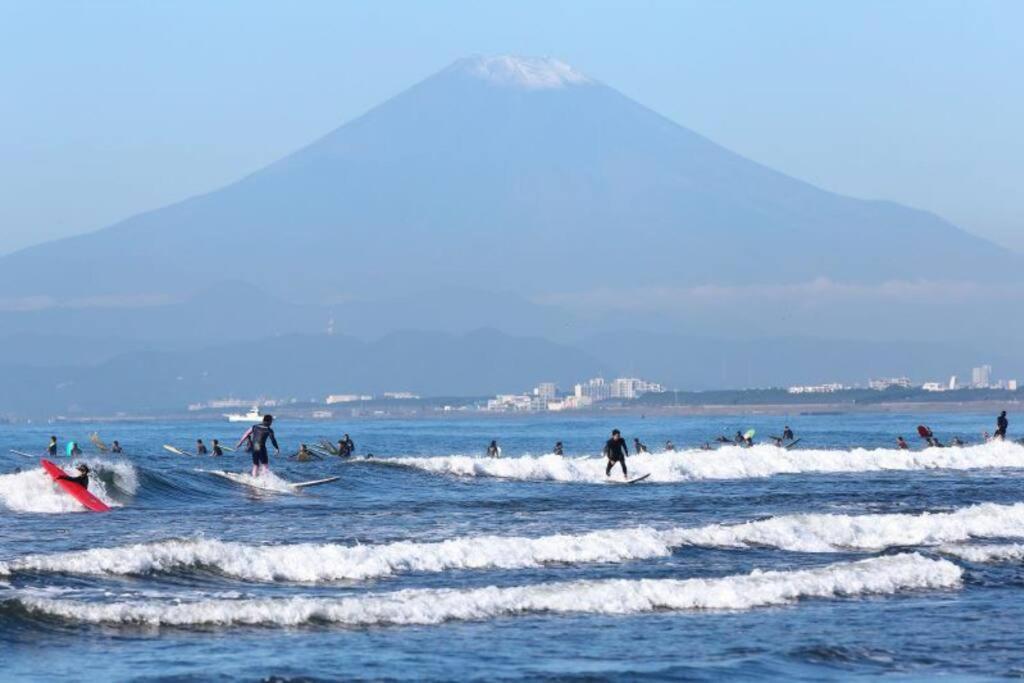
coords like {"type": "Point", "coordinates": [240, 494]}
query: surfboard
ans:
{"type": "Point", "coordinates": [24, 454]}
{"type": "Point", "coordinates": [630, 481]}
{"type": "Point", "coordinates": [172, 449]}
{"type": "Point", "coordinates": [749, 434]}
{"type": "Point", "coordinates": [923, 431]}
{"type": "Point", "coordinates": [76, 491]}
{"type": "Point", "coordinates": [791, 444]}
{"type": "Point", "coordinates": [98, 442]}
{"type": "Point", "coordinates": [247, 480]}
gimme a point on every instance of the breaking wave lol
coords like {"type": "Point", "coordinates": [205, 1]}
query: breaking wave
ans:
{"type": "Point", "coordinates": [729, 462]}
{"type": "Point", "coordinates": [34, 490]}
{"type": "Point", "coordinates": [876, 576]}
{"type": "Point", "coordinates": [311, 563]}
{"type": "Point", "coordinates": [1009, 552]}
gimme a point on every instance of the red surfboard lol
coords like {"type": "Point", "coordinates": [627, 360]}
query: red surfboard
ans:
{"type": "Point", "coordinates": [923, 431]}
{"type": "Point", "coordinates": [77, 491]}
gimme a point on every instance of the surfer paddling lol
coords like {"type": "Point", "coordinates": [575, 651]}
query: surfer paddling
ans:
{"type": "Point", "coordinates": [255, 440]}
{"type": "Point", "coordinates": [616, 450]}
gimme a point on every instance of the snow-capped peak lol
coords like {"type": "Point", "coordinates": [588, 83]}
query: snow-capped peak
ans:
{"type": "Point", "coordinates": [532, 73]}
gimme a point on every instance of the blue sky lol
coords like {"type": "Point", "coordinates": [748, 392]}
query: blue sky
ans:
{"type": "Point", "coordinates": [111, 108]}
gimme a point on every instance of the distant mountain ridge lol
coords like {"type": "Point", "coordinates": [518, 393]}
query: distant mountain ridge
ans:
{"type": "Point", "coordinates": [521, 174]}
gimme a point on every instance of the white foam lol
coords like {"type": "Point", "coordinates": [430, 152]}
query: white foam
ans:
{"type": "Point", "coordinates": [729, 462]}
{"type": "Point", "coordinates": [34, 490]}
{"type": "Point", "coordinates": [267, 481]}
{"type": "Point", "coordinates": [334, 562]}
{"type": "Point", "coordinates": [830, 533]}
{"type": "Point", "coordinates": [1008, 552]}
{"type": "Point", "coordinates": [876, 576]}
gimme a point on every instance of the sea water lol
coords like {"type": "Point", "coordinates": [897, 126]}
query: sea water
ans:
{"type": "Point", "coordinates": [842, 557]}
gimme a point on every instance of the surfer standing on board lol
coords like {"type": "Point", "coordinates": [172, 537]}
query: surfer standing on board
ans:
{"type": "Point", "coordinates": [255, 441]}
{"type": "Point", "coordinates": [616, 450]}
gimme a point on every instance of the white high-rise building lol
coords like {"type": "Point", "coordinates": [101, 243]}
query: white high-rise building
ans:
{"type": "Point", "coordinates": [981, 376]}
{"type": "Point", "coordinates": [546, 391]}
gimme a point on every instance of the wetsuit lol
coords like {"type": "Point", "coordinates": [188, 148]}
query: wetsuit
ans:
{"type": "Point", "coordinates": [257, 437]}
{"type": "Point", "coordinates": [82, 480]}
{"type": "Point", "coordinates": [639, 447]}
{"type": "Point", "coordinates": [350, 446]}
{"type": "Point", "coordinates": [116, 448]}
{"type": "Point", "coordinates": [787, 434]}
{"type": "Point", "coordinates": [558, 448]}
{"type": "Point", "coordinates": [616, 451]}
{"type": "Point", "coordinates": [1001, 425]}
{"type": "Point", "coordinates": [201, 449]}
{"type": "Point", "coordinates": [217, 450]}
{"type": "Point", "coordinates": [51, 450]}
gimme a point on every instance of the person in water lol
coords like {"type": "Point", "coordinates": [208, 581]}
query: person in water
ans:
{"type": "Point", "coordinates": [669, 446]}
{"type": "Point", "coordinates": [739, 439]}
{"type": "Point", "coordinates": [51, 450]}
{"type": "Point", "coordinates": [201, 448]}
{"type": "Point", "coordinates": [72, 449]}
{"type": "Point", "coordinates": [82, 479]}
{"type": "Point", "coordinates": [493, 451]}
{"type": "Point", "coordinates": [346, 446]}
{"type": "Point", "coordinates": [305, 455]}
{"type": "Point", "coordinates": [217, 450]}
{"type": "Point", "coordinates": [638, 447]}
{"type": "Point", "coordinates": [116, 447]}
{"type": "Point", "coordinates": [255, 440]}
{"type": "Point", "coordinates": [787, 434]}
{"type": "Point", "coordinates": [902, 444]}
{"type": "Point", "coordinates": [616, 450]}
{"type": "Point", "coordinates": [1001, 426]}
{"type": "Point", "coordinates": [558, 450]}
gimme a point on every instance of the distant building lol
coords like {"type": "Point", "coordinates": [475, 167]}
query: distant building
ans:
{"type": "Point", "coordinates": [981, 376]}
{"type": "Point", "coordinates": [933, 386]}
{"type": "Point", "coordinates": [400, 395]}
{"type": "Point", "coordinates": [1011, 385]}
{"type": "Point", "coordinates": [347, 398]}
{"type": "Point", "coordinates": [597, 389]}
{"type": "Point", "coordinates": [546, 391]}
{"type": "Point", "coordinates": [952, 383]}
{"type": "Point", "coordinates": [888, 383]}
{"type": "Point", "coordinates": [511, 403]}
{"type": "Point", "coordinates": [816, 389]}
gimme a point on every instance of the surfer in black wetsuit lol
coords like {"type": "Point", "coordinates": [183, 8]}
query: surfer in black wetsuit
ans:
{"type": "Point", "coordinates": [638, 447]}
{"type": "Point", "coordinates": [51, 450]}
{"type": "Point", "coordinates": [493, 451]}
{"type": "Point", "coordinates": [787, 434]}
{"type": "Point", "coordinates": [616, 450]}
{"type": "Point", "coordinates": [201, 447]}
{"type": "Point", "coordinates": [669, 446]}
{"type": "Point", "coordinates": [350, 446]}
{"type": "Point", "coordinates": [255, 441]}
{"type": "Point", "coordinates": [116, 447]}
{"type": "Point", "coordinates": [558, 450]}
{"type": "Point", "coordinates": [217, 450]}
{"type": "Point", "coordinates": [82, 479]}
{"type": "Point", "coordinates": [1001, 426]}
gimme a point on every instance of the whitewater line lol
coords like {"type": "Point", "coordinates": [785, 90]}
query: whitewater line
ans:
{"type": "Point", "coordinates": [876, 576]}
{"type": "Point", "coordinates": [729, 462]}
{"type": "Point", "coordinates": [312, 563]}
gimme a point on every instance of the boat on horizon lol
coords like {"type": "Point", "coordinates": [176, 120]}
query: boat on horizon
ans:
{"type": "Point", "coordinates": [252, 416]}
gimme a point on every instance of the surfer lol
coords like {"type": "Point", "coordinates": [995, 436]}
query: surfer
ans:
{"type": "Point", "coordinates": [72, 449]}
{"type": "Point", "coordinates": [201, 447]}
{"type": "Point", "coordinates": [346, 446]}
{"type": "Point", "coordinates": [739, 439]}
{"type": "Point", "coordinates": [724, 439]}
{"type": "Point", "coordinates": [493, 451]}
{"type": "Point", "coordinates": [638, 447]}
{"type": "Point", "coordinates": [558, 450]}
{"type": "Point", "coordinates": [255, 440]}
{"type": "Point", "coordinates": [304, 454]}
{"type": "Point", "coordinates": [83, 477]}
{"type": "Point", "coordinates": [616, 450]}
{"type": "Point", "coordinates": [787, 434]}
{"type": "Point", "coordinates": [116, 447]}
{"type": "Point", "coordinates": [1001, 425]}
{"type": "Point", "coordinates": [957, 441]}
{"type": "Point", "coordinates": [902, 444]}
{"type": "Point", "coordinates": [51, 450]}
{"type": "Point", "coordinates": [217, 450]}
{"type": "Point", "coordinates": [669, 446]}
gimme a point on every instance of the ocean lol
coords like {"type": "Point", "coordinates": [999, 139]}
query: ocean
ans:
{"type": "Point", "coordinates": [841, 558]}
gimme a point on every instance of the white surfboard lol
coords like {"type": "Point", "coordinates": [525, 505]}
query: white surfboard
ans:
{"type": "Point", "coordinates": [629, 481]}
{"type": "Point", "coordinates": [172, 449]}
{"type": "Point", "coordinates": [274, 485]}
